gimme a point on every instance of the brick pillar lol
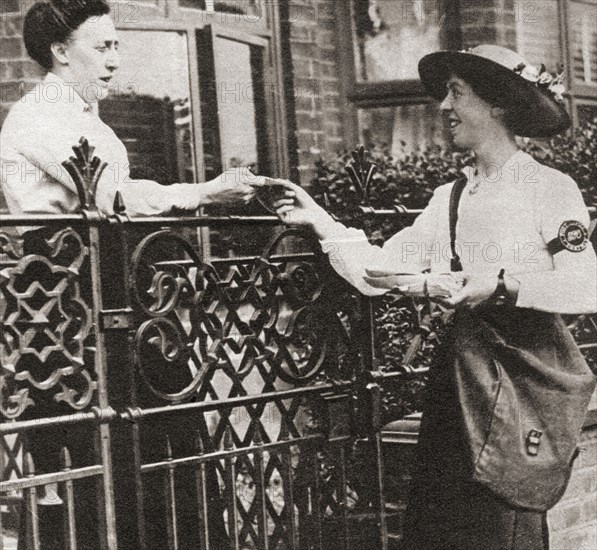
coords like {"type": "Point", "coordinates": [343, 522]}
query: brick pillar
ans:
{"type": "Point", "coordinates": [329, 76]}
{"type": "Point", "coordinates": [488, 22]}
{"type": "Point", "coordinates": [316, 78]}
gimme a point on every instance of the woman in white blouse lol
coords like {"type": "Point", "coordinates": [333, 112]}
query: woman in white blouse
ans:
{"type": "Point", "coordinates": [485, 477]}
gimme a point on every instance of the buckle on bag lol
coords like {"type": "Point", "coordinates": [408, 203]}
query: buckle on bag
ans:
{"type": "Point", "coordinates": [533, 441]}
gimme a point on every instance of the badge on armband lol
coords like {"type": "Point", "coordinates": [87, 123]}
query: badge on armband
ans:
{"type": "Point", "coordinates": [572, 236]}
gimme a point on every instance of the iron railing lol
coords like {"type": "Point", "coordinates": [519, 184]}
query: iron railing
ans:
{"type": "Point", "coordinates": [153, 397]}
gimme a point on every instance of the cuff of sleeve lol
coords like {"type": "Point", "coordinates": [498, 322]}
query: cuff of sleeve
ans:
{"type": "Point", "coordinates": [528, 291]}
{"type": "Point", "coordinates": [534, 293]}
{"type": "Point", "coordinates": [341, 234]}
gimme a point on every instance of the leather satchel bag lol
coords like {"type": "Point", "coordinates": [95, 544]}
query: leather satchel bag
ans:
{"type": "Point", "coordinates": [523, 388]}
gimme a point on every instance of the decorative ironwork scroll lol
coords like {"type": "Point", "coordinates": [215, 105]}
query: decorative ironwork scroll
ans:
{"type": "Point", "coordinates": [46, 324]}
{"type": "Point", "coordinates": [260, 318]}
{"type": "Point", "coordinates": [265, 330]}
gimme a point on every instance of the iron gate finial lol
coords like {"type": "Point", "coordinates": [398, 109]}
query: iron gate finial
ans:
{"type": "Point", "coordinates": [361, 171]}
{"type": "Point", "coordinates": [86, 170]}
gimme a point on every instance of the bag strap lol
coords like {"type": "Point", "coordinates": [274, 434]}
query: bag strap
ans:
{"type": "Point", "coordinates": [457, 188]}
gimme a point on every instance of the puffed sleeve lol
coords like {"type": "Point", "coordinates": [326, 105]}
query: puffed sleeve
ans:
{"type": "Point", "coordinates": [350, 253]}
{"type": "Point", "coordinates": [563, 221]}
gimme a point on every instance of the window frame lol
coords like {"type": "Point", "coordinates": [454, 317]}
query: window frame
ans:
{"type": "Point", "coordinates": [165, 15]}
{"type": "Point", "coordinates": [390, 93]}
{"type": "Point", "coordinates": [264, 139]}
{"type": "Point", "coordinates": [578, 94]}
{"type": "Point", "coordinates": [228, 19]}
{"type": "Point", "coordinates": [393, 93]}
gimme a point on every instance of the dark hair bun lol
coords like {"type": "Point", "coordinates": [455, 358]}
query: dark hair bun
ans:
{"type": "Point", "coordinates": [50, 21]}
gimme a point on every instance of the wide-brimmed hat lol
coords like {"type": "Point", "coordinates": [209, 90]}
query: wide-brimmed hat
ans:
{"type": "Point", "coordinates": [534, 93]}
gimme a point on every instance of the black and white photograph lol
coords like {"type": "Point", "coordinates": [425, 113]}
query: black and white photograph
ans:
{"type": "Point", "coordinates": [298, 274]}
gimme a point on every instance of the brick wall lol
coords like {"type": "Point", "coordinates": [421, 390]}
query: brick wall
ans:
{"type": "Point", "coordinates": [18, 73]}
{"type": "Point", "coordinates": [316, 79]}
{"type": "Point", "coordinates": [572, 522]}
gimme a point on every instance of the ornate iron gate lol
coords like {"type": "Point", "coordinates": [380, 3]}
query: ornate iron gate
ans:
{"type": "Point", "coordinates": [152, 399]}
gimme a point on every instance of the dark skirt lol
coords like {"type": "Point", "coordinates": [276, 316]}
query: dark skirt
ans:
{"type": "Point", "coordinates": [447, 510]}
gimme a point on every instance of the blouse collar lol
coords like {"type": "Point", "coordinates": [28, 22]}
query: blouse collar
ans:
{"type": "Point", "coordinates": [508, 172]}
{"type": "Point", "coordinates": [68, 95]}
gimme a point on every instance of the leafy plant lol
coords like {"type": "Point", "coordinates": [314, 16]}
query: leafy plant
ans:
{"type": "Point", "coordinates": [574, 156]}
{"type": "Point", "coordinates": [408, 181]}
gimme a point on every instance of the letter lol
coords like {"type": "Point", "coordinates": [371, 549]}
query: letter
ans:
{"type": "Point", "coordinates": [431, 251]}
{"type": "Point", "coordinates": [29, 170]}
{"type": "Point", "coordinates": [247, 93]}
{"type": "Point", "coordinates": [492, 258]}
{"type": "Point", "coordinates": [471, 250]}
{"type": "Point", "coordinates": [55, 170]}
{"type": "Point", "coordinates": [409, 249]}
{"type": "Point", "coordinates": [8, 169]}
{"type": "Point", "coordinates": [225, 91]}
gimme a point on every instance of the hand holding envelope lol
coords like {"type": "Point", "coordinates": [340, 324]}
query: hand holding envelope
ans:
{"type": "Point", "coordinates": [433, 285]}
{"type": "Point", "coordinates": [270, 193]}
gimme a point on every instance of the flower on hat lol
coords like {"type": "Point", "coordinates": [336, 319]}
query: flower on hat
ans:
{"type": "Point", "coordinates": [528, 72]}
{"type": "Point", "coordinates": [553, 82]}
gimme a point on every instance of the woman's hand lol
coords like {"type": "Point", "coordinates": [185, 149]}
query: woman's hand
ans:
{"type": "Point", "coordinates": [478, 288]}
{"type": "Point", "coordinates": [233, 187]}
{"type": "Point", "coordinates": [297, 207]}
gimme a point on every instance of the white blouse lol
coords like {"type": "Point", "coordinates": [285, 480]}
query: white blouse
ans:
{"type": "Point", "coordinates": [506, 222]}
{"type": "Point", "coordinates": [38, 135]}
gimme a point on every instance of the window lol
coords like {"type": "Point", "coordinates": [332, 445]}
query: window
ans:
{"type": "Point", "coordinates": [538, 32]}
{"type": "Point", "coordinates": [581, 22]}
{"type": "Point", "coordinates": [234, 100]}
{"type": "Point", "coordinates": [400, 127]}
{"type": "Point", "coordinates": [253, 13]}
{"type": "Point", "coordinates": [583, 43]}
{"type": "Point", "coordinates": [540, 38]}
{"type": "Point", "coordinates": [149, 107]}
{"type": "Point", "coordinates": [236, 124]}
{"type": "Point", "coordinates": [388, 33]}
{"type": "Point", "coordinates": [390, 37]}
{"type": "Point", "coordinates": [203, 100]}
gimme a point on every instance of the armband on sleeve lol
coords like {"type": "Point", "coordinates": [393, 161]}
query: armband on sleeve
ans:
{"type": "Point", "coordinates": [572, 236]}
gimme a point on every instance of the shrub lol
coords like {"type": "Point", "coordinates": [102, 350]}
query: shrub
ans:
{"type": "Point", "coordinates": [574, 156]}
{"type": "Point", "coordinates": [409, 181]}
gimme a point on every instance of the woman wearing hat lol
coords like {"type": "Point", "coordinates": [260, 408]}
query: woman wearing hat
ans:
{"type": "Point", "coordinates": [508, 393]}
